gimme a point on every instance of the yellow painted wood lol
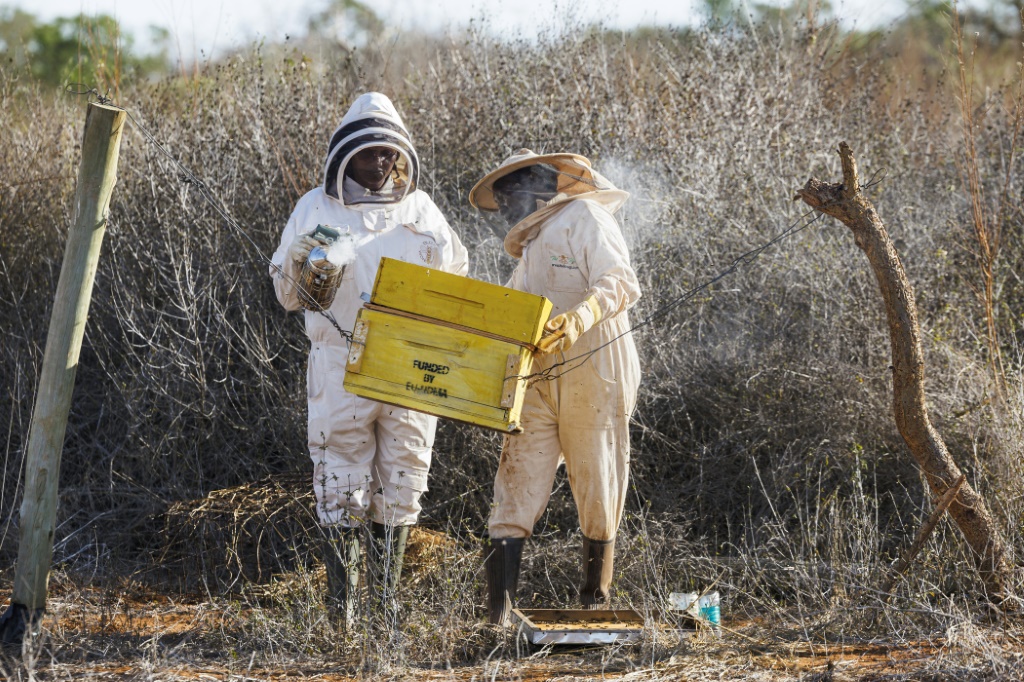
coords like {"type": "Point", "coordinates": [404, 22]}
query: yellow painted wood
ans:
{"type": "Point", "coordinates": [385, 391]}
{"type": "Point", "coordinates": [436, 369]}
{"type": "Point", "coordinates": [459, 300]}
{"type": "Point", "coordinates": [510, 385]}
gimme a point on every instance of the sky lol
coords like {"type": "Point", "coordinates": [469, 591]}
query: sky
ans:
{"type": "Point", "coordinates": [207, 28]}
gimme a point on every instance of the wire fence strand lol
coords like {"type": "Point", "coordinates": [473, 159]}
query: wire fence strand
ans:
{"type": "Point", "coordinates": [190, 178]}
{"type": "Point", "coordinates": [549, 373]}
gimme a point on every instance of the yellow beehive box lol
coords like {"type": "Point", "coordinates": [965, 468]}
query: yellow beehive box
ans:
{"type": "Point", "coordinates": [445, 345]}
{"type": "Point", "coordinates": [439, 370]}
{"type": "Point", "coordinates": [442, 296]}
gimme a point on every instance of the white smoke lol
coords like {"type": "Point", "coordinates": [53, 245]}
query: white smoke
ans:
{"type": "Point", "coordinates": [642, 218]}
{"type": "Point", "coordinates": [342, 252]}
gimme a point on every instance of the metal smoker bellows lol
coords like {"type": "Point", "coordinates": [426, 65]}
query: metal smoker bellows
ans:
{"type": "Point", "coordinates": [319, 280]}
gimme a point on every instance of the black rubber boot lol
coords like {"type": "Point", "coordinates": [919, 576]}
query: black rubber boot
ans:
{"type": "Point", "coordinates": [598, 566]}
{"type": "Point", "coordinates": [17, 622]}
{"type": "Point", "coordinates": [503, 557]}
{"type": "Point", "coordinates": [341, 561]}
{"type": "Point", "coordinates": [384, 559]}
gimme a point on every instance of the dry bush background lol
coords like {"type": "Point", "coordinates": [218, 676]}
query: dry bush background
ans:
{"type": "Point", "coordinates": [766, 462]}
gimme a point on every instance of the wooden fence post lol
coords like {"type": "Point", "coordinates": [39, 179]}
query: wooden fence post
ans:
{"type": "Point", "coordinates": [96, 175]}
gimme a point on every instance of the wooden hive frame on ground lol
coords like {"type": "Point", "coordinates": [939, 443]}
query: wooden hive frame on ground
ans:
{"type": "Point", "coordinates": [446, 345]}
{"type": "Point", "coordinates": [580, 626]}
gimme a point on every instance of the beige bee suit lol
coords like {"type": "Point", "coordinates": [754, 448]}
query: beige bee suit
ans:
{"type": "Point", "coordinates": [569, 250]}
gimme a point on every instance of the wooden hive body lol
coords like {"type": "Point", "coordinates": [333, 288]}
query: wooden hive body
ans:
{"type": "Point", "coordinates": [445, 345]}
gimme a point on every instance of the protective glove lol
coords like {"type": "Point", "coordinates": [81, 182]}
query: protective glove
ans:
{"type": "Point", "coordinates": [301, 246]}
{"type": "Point", "coordinates": [561, 331]}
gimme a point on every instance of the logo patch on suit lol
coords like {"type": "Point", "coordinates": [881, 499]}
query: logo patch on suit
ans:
{"type": "Point", "coordinates": [560, 261]}
{"type": "Point", "coordinates": [429, 253]}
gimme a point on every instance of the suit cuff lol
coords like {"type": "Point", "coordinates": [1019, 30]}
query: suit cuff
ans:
{"type": "Point", "coordinates": [588, 312]}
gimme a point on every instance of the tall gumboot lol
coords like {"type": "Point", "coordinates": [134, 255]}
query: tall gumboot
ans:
{"type": "Point", "coordinates": [598, 570]}
{"type": "Point", "coordinates": [502, 559]}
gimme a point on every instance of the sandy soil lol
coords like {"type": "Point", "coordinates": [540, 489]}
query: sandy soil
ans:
{"type": "Point", "coordinates": [137, 634]}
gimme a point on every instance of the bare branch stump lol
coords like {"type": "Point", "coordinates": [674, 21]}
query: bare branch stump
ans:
{"type": "Point", "coordinates": [922, 535]}
{"type": "Point", "coordinates": [845, 203]}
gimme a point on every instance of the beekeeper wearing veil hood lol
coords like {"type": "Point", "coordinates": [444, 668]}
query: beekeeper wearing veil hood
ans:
{"type": "Point", "coordinates": [370, 460]}
{"type": "Point", "coordinates": [560, 217]}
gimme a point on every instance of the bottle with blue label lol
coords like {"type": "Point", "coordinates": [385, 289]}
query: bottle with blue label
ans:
{"type": "Point", "coordinates": [709, 608]}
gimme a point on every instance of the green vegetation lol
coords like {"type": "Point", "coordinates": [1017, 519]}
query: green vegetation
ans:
{"type": "Point", "coordinates": [78, 49]}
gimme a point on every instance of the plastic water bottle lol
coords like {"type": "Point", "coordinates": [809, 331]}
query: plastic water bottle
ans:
{"type": "Point", "coordinates": [682, 601]}
{"type": "Point", "coordinates": [710, 608]}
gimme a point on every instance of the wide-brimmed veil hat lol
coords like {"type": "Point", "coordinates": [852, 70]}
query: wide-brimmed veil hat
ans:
{"type": "Point", "coordinates": [575, 176]}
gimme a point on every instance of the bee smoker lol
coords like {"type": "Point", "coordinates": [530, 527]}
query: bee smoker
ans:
{"type": "Point", "coordinates": [319, 280]}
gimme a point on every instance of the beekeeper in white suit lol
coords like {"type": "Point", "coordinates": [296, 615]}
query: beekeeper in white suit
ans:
{"type": "Point", "coordinates": [571, 250]}
{"type": "Point", "coordinates": [370, 460]}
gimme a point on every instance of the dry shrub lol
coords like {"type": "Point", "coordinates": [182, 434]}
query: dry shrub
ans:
{"type": "Point", "coordinates": [252, 532]}
{"type": "Point", "coordinates": [765, 456]}
{"type": "Point", "coordinates": [246, 533]}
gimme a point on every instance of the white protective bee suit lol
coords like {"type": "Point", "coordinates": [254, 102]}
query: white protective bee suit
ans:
{"type": "Point", "coordinates": [370, 459]}
{"type": "Point", "coordinates": [572, 251]}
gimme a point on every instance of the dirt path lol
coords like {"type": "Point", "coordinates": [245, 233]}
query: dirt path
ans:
{"type": "Point", "coordinates": [136, 634]}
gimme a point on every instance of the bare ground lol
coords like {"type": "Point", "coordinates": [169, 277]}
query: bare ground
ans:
{"type": "Point", "coordinates": [129, 632]}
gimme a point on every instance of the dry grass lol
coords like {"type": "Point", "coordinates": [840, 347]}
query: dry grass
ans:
{"type": "Point", "coordinates": [128, 631]}
{"type": "Point", "coordinates": [766, 463]}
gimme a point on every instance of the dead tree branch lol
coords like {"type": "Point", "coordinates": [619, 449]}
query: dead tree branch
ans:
{"type": "Point", "coordinates": [922, 535]}
{"type": "Point", "coordinates": [845, 203]}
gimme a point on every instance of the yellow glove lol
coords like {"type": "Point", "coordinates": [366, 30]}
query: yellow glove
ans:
{"type": "Point", "coordinates": [561, 331]}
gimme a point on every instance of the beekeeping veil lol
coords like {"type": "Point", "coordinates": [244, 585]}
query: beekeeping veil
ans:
{"type": "Point", "coordinates": [576, 180]}
{"type": "Point", "coordinates": [372, 121]}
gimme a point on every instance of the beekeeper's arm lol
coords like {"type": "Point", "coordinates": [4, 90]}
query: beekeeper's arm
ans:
{"type": "Point", "coordinates": [287, 263]}
{"type": "Point", "coordinates": [516, 281]}
{"type": "Point", "coordinates": [454, 254]}
{"type": "Point", "coordinates": [459, 263]}
{"type": "Point", "coordinates": [599, 248]}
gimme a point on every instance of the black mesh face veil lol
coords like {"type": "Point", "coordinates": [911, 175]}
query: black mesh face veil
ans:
{"type": "Point", "coordinates": [540, 177]}
{"type": "Point", "coordinates": [371, 131]}
{"type": "Point", "coordinates": [521, 192]}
